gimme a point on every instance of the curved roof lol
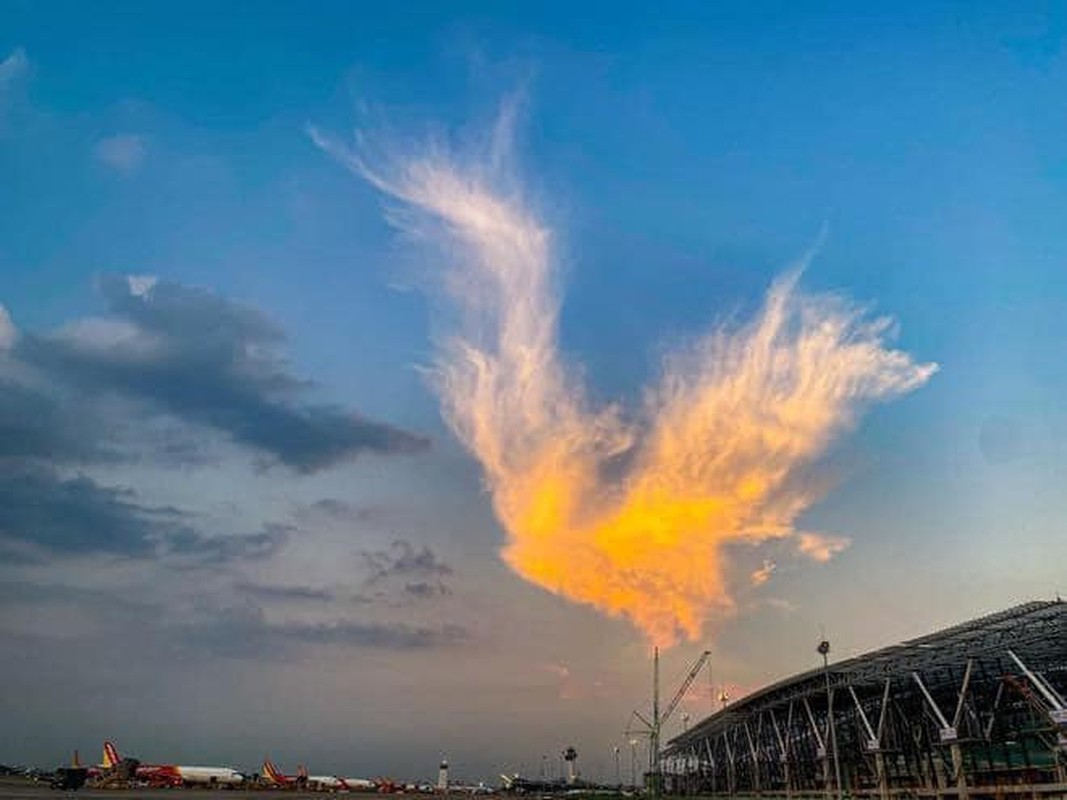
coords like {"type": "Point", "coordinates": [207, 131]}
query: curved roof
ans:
{"type": "Point", "coordinates": [1035, 631]}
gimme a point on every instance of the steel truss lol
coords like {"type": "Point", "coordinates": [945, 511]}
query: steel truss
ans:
{"type": "Point", "coordinates": [956, 712]}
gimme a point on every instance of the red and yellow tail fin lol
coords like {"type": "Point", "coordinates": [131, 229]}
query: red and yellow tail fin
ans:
{"type": "Point", "coordinates": [111, 756]}
{"type": "Point", "coordinates": [270, 772]}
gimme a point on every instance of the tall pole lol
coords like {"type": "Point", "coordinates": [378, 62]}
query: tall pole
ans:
{"type": "Point", "coordinates": [824, 650]}
{"type": "Point", "coordinates": [618, 779]}
{"type": "Point", "coordinates": [653, 745]}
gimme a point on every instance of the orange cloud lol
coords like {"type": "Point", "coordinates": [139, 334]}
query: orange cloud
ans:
{"type": "Point", "coordinates": [630, 513]}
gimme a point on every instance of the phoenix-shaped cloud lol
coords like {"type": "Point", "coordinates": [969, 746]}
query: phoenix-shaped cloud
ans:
{"type": "Point", "coordinates": [629, 512]}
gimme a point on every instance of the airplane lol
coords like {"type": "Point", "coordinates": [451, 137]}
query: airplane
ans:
{"type": "Point", "coordinates": [338, 784]}
{"type": "Point", "coordinates": [274, 776]}
{"type": "Point", "coordinates": [175, 774]}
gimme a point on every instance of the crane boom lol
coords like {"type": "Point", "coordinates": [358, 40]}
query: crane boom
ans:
{"type": "Point", "coordinates": [685, 686]}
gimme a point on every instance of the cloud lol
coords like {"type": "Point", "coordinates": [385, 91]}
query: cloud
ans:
{"type": "Point", "coordinates": [13, 67]}
{"type": "Point", "coordinates": [208, 361]}
{"type": "Point", "coordinates": [424, 590]}
{"type": "Point", "coordinates": [820, 546]}
{"type": "Point", "coordinates": [124, 152]}
{"type": "Point", "coordinates": [76, 516]}
{"type": "Point", "coordinates": [403, 560]}
{"type": "Point", "coordinates": [8, 332]}
{"type": "Point", "coordinates": [43, 514]}
{"type": "Point", "coordinates": [233, 547]}
{"type": "Point", "coordinates": [40, 425]}
{"type": "Point", "coordinates": [245, 631]}
{"type": "Point", "coordinates": [763, 574]}
{"type": "Point", "coordinates": [340, 510]}
{"type": "Point", "coordinates": [628, 510]}
{"type": "Point", "coordinates": [266, 592]}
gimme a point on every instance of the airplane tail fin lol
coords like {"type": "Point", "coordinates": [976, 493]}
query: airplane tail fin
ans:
{"type": "Point", "coordinates": [302, 772]}
{"type": "Point", "coordinates": [111, 755]}
{"type": "Point", "coordinates": [270, 772]}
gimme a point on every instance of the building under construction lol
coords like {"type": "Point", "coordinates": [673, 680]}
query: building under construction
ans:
{"type": "Point", "coordinates": [976, 710]}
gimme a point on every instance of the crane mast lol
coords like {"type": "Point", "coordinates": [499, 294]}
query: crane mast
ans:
{"type": "Point", "coordinates": [655, 725]}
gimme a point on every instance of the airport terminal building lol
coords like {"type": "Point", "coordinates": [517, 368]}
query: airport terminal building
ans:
{"type": "Point", "coordinates": [976, 710]}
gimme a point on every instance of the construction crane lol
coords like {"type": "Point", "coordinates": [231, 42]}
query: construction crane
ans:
{"type": "Point", "coordinates": [653, 727]}
{"type": "Point", "coordinates": [692, 676]}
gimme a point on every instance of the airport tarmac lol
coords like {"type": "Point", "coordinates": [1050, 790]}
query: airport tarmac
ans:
{"type": "Point", "coordinates": [27, 790]}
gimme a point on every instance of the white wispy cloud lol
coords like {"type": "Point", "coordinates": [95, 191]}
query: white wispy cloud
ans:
{"type": "Point", "coordinates": [124, 152]}
{"type": "Point", "coordinates": [13, 67]}
{"type": "Point", "coordinates": [8, 332]}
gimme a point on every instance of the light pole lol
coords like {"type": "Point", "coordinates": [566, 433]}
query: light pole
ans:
{"type": "Point", "coordinates": [824, 651]}
{"type": "Point", "coordinates": [618, 780]}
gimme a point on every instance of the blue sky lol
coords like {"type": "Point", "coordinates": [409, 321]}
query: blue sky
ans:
{"type": "Point", "coordinates": [683, 160]}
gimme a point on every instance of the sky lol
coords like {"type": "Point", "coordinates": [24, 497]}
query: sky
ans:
{"type": "Point", "coordinates": [378, 385]}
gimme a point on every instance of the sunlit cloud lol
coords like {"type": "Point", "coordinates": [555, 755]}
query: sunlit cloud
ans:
{"type": "Point", "coordinates": [820, 546]}
{"type": "Point", "coordinates": [763, 574]}
{"type": "Point", "coordinates": [628, 510]}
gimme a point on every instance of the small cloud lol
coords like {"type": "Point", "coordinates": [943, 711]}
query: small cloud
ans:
{"type": "Point", "coordinates": [8, 332]}
{"type": "Point", "coordinates": [124, 152]}
{"type": "Point", "coordinates": [341, 511]}
{"type": "Point", "coordinates": [232, 547]}
{"type": "Point", "coordinates": [405, 560]}
{"type": "Point", "coordinates": [426, 589]}
{"type": "Point", "coordinates": [763, 574]}
{"type": "Point", "coordinates": [13, 67]}
{"type": "Point", "coordinates": [780, 604]}
{"type": "Point", "coordinates": [141, 285]}
{"type": "Point", "coordinates": [821, 547]}
{"type": "Point", "coordinates": [285, 593]}
{"type": "Point", "coordinates": [559, 670]}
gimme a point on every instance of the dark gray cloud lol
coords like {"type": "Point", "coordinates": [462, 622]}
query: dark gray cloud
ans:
{"type": "Point", "coordinates": [76, 516]}
{"type": "Point", "coordinates": [39, 424]}
{"type": "Point", "coordinates": [403, 560]}
{"type": "Point", "coordinates": [244, 631]}
{"type": "Point", "coordinates": [268, 592]}
{"type": "Point", "coordinates": [46, 515]}
{"type": "Point", "coordinates": [426, 589]}
{"type": "Point", "coordinates": [209, 361]}
{"type": "Point", "coordinates": [232, 547]}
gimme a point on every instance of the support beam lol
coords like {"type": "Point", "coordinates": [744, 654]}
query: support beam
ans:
{"type": "Point", "coordinates": [872, 740]}
{"type": "Point", "coordinates": [820, 744]}
{"type": "Point", "coordinates": [783, 754]}
{"type": "Point", "coordinates": [963, 693]}
{"type": "Point", "coordinates": [947, 732]}
{"type": "Point", "coordinates": [755, 758]}
{"type": "Point", "coordinates": [884, 709]}
{"type": "Point", "coordinates": [1059, 711]}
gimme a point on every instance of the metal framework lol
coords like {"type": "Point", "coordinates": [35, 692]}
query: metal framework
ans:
{"type": "Point", "coordinates": [973, 710]}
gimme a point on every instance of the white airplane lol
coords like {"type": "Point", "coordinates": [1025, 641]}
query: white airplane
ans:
{"type": "Point", "coordinates": [175, 774]}
{"type": "Point", "coordinates": [338, 784]}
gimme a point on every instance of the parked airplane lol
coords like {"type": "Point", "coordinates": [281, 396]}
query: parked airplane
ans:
{"type": "Point", "coordinates": [175, 774]}
{"type": "Point", "coordinates": [274, 776]}
{"type": "Point", "coordinates": [339, 784]}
